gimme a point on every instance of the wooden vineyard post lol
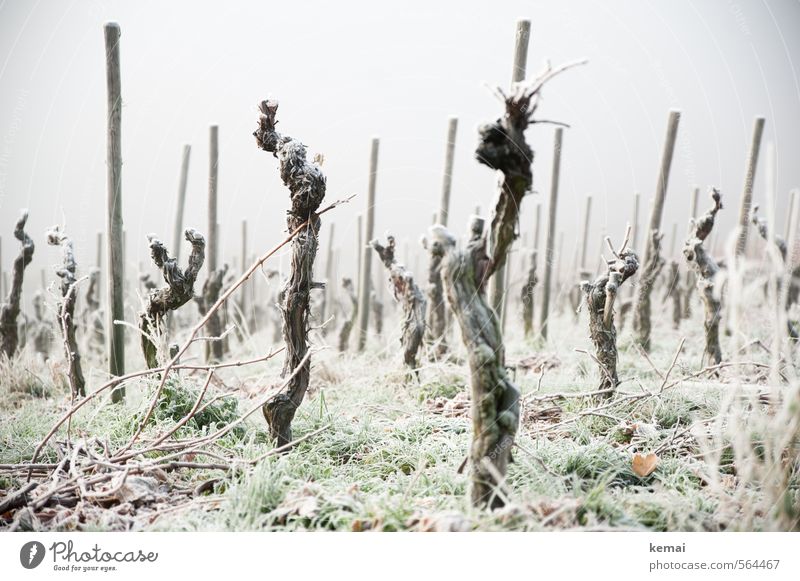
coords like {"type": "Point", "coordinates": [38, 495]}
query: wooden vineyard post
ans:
{"type": "Point", "coordinates": [652, 262]}
{"type": "Point", "coordinates": [243, 306]}
{"type": "Point", "coordinates": [115, 260]}
{"type": "Point", "coordinates": [551, 232]}
{"type": "Point", "coordinates": [327, 297]}
{"type": "Point", "coordinates": [366, 252]}
{"type": "Point", "coordinates": [447, 180]}
{"type": "Point", "coordinates": [587, 219]}
{"type": "Point", "coordinates": [745, 206]}
{"type": "Point", "coordinates": [177, 237]}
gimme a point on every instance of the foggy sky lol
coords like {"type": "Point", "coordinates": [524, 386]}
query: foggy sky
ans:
{"type": "Point", "coordinates": [345, 72]}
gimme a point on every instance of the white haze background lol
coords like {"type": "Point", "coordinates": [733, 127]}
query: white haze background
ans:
{"type": "Point", "coordinates": [347, 71]}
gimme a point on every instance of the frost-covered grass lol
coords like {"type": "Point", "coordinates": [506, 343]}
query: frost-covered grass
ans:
{"type": "Point", "coordinates": [390, 458]}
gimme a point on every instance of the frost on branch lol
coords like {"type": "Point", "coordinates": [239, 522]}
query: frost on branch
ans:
{"type": "Point", "coordinates": [706, 269]}
{"type": "Point", "coordinates": [410, 297]}
{"type": "Point", "coordinates": [306, 184]}
{"type": "Point", "coordinates": [9, 311]}
{"type": "Point", "coordinates": [178, 292]}
{"type": "Point", "coordinates": [600, 297]}
{"type": "Point", "coordinates": [495, 399]}
{"type": "Point", "coordinates": [66, 309]}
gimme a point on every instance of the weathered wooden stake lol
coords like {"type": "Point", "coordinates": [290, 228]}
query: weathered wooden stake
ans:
{"type": "Point", "coordinates": [641, 321]}
{"type": "Point", "coordinates": [635, 222]}
{"type": "Point", "coordinates": [746, 204]}
{"type": "Point", "coordinates": [793, 231]}
{"type": "Point", "coordinates": [243, 303]}
{"type": "Point", "coordinates": [115, 261]}
{"type": "Point", "coordinates": [690, 277]}
{"type": "Point", "coordinates": [359, 254]}
{"type": "Point", "coordinates": [213, 177]}
{"type": "Point", "coordinates": [787, 230]}
{"type": "Point", "coordinates": [327, 297]}
{"type": "Point", "coordinates": [447, 180]}
{"type": "Point", "coordinates": [177, 237]}
{"type": "Point", "coordinates": [366, 251]}
{"type": "Point", "coordinates": [673, 240]}
{"type": "Point", "coordinates": [215, 349]}
{"type": "Point", "coordinates": [551, 231]}
{"type": "Point", "coordinates": [585, 242]}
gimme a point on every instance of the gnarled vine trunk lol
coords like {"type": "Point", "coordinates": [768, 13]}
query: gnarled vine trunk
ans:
{"type": "Point", "coordinates": [674, 292]}
{"type": "Point", "coordinates": [527, 296]}
{"type": "Point", "coordinates": [706, 270]}
{"type": "Point", "coordinates": [42, 331]}
{"type": "Point", "coordinates": [306, 184]}
{"type": "Point", "coordinates": [66, 310]}
{"type": "Point", "coordinates": [647, 279]}
{"type": "Point", "coordinates": [408, 294]}
{"type": "Point", "coordinates": [600, 297]}
{"type": "Point", "coordinates": [9, 311]}
{"type": "Point", "coordinates": [792, 327]}
{"type": "Point", "coordinates": [437, 313]}
{"type": "Point", "coordinates": [349, 322]}
{"type": "Point", "coordinates": [495, 399]}
{"type": "Point", "coordinates": [212, 288]}
{"type": "Point", "coordinates": [178, 292]}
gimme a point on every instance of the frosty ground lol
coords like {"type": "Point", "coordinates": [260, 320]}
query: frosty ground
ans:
{"type": "Point", "coordinates": [389, 449]}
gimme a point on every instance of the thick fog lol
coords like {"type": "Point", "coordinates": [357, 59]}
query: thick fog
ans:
{"type": "Point", "coordinates": [345, 72]}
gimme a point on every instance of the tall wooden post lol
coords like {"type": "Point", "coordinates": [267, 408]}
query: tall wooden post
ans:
{"type": "Point", "coordinates": [551, 231]}
{"type": "Point", "coordinates": [177, 237]}
{"type": "Point", "coordinates": [329, 280]}
{"type": "Point", "coordinates": [447, 181]}
{"type": "Point", "coordinates": [586, 221]}
{"type": "Point", "coordinates": [359, 251]}
{"type": "Point", "coordinates": [792, 237]}
{"type": "Point", "coordinates": [673, 240]}
{"type": "Point", "coordinates": [366, 251]}
{"type": "Point", "coordinates": [115, 265]}
{"type": "Point", "coordinates": [243, 304]}
{"type": "Point", "coordinates": [695, 200]}
{"type": "Point", "coordinates": [787, 230]}
{"type": "Point", "coordinates": [213, 177]}
{"type": "Point", "coordinates": [650, 260]}
{"type": "Point", "coordinates": [747, 194]}
{"type": "Point", "coordinates": [99, 265]}
{"type": "Point", "coordinates": [635, 221]}
{"type": "Point", "coordinates": [663, 175]}
{"type": "Point", "coordinates": [523, 34]}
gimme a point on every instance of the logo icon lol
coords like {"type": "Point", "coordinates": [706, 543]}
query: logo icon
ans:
{"type": "Point", "coordinates": [31, 554]}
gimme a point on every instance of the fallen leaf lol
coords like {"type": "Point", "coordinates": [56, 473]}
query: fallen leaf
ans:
{"type": "Point", "coordinates": [644, 465]}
